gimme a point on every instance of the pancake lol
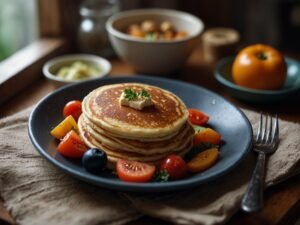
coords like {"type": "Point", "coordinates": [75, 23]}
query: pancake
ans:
{"type": "Point", "coordinates": [146, 148]}
{"type": "Point", "coordinates": [98, 133]}
{"type": "Point", "coordinates": [167, 115]}
{"type": "Point", "coordinates": [115, 154]}
{"type": "Point", "coordinates": [148, 135]}
{"type": "Point", "coordinates": [101, 130]}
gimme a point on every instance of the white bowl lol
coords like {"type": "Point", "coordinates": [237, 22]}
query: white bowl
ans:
{"type": "Point", "coordinates": [154, 57]}
{"type": "Point", "coordinates": [52, 66]}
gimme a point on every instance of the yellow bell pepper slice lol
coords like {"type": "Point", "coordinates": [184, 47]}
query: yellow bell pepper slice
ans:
{"type": "Point", "coordinates": [64, 127]}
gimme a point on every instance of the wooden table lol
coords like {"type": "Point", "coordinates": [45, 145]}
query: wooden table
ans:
{"type": "Point", "coordinates": [282, 204]}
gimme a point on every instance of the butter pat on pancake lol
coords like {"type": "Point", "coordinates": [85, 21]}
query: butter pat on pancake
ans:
{"type": "Point", "coordinates": [138, 101]}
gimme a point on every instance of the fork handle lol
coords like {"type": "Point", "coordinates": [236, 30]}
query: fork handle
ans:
{"type": "Point", "coordinates": [253, 198]}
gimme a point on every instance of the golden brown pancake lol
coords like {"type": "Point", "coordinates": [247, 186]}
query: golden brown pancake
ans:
{"type": "Point", "coordinates": [166, 116]}
{"type": "Point", "coordinates": [139, 143]}
{"type": "Point", "coordinates": [115, 154]}
{"type": "Point", "coordinates": [175, 144]}
{"type": "Point", "coordinates": [147, 135]}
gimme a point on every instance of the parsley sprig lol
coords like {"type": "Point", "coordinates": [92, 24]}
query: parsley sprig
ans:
{"type": "Point", "coordinates": [131, 94]}
{"type": "Point", "coordinates": [144, 93]}
{"type": "Point", "coordinates": [161, 176]}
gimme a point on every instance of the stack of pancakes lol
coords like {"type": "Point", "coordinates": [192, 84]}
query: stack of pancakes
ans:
{"type": "Point", "coordinates": [147, 135]}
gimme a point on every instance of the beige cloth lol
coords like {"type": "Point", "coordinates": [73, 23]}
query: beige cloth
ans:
{"type": "Point", "coordinates": [36, 192]}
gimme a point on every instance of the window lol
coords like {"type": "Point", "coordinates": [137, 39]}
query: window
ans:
{"type": "Point", "coordinates": [18, 25]}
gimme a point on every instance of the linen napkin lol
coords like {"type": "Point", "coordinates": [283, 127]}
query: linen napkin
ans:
{"type": "Point", "coordinates": [36, 192]}
{"type": "Point", "coordinates": [217, 201]}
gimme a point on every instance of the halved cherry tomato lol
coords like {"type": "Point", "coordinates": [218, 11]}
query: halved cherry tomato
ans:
{"type": "Point", "coordinates": [64, 127]}
{"type": "Point", "coordinates": [207, 135]}
{"type": "Point", "coordinates": [175, 166]}
{"type": "Point", "coordinates": [133, 171]}
{"type": "Point", "coordinates": [197, 117]}
{"type": "Point", "coordinates": [72, 146]}
{"type": "Point", "coordinates": [203, 160]}
{"type": "Point", "coordinates": [73, 108]}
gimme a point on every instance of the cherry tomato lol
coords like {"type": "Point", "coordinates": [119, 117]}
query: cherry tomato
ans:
{"type": "Point", "coordinates": [73, 108]}
{"type": "Point", "coordinates": [72, 146]}
{"type": "Point", "coordinates": [259, 67]}
{"type": "Point", "coordinates": [207, 135]}
{"type": "Point", "coordinates": [175, 166]}
{"type": "Point", "coordinates": [197, 117]}
{"type": "Point", "coordinates": [132, 171]}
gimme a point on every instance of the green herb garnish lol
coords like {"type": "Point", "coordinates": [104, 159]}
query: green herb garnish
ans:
{"type": "Point", "coordinates": [198, 128]}
{"type": "Point", "coordinates": [161, 176]}
{"type": "Point", "coordinates": [144, 93]}
{"type": "Point", "coordinates": [130, 94]}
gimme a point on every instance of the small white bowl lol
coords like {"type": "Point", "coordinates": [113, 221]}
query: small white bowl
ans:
{"type": "Point", "coordinates": [52, 66]}
{"type": "Point", "coordinates": [159, 56]}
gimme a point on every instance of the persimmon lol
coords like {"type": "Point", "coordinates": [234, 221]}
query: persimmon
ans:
{"type": "Point", "coordinates": [207, 135]}
{"type": "Point", "coordinates": [203, 160]}
{"type": "Point", "coordinates": [259, 67]}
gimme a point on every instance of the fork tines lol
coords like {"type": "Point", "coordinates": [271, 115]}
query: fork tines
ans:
{"type": "Point", "coordinates": [268, 131]}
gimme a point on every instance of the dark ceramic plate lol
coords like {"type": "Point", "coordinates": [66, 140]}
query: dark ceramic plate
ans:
{"type": "Point", "coordinates": [290, 89]}
{"type": "Point", "coordinates": [225, 118]}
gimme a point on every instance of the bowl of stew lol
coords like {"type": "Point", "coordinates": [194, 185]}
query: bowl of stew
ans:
{"type": "Point", "coordinates": [154, 41]}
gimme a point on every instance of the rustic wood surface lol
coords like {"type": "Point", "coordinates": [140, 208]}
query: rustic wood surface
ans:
{"type": "Point", "coordinates": [282, 204]}
{"type": "Point", "coordinates": [24, 67]}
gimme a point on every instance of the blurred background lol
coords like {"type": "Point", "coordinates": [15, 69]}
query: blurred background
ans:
{"type": "Point", "coordinates": [273, 22]}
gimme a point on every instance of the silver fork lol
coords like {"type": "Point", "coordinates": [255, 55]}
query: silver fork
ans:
{"type": "Point", "coordinates": [266, 142]}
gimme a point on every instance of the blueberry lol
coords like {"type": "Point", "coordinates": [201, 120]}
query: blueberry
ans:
{"type": "Point", "coordinates": [94, 160]}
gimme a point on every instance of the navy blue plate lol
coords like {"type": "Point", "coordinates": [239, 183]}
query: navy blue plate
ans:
{"type": "Point", "coordinates": [229, 121]}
